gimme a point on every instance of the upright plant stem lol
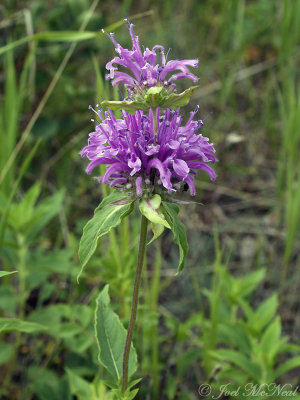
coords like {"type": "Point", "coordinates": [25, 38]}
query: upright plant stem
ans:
{"type": "Point", "coordinates": [135, 297]}
{"type": "Point", "coordinates": [155, 123]}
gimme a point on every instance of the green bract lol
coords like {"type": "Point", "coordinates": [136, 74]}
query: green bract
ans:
{"type": "Point", "coordinates": [157, 230]}
{"type": "Point", "coordinates": [154, 97]}
{"type": "Point", "coordinates": [117, 206]}
{"type": "Point", "coordinates": [162, 213]}
{"type": "Point", "coordinates": [151, 209]}
{"type": "Point", "coordinates": [170, 212]}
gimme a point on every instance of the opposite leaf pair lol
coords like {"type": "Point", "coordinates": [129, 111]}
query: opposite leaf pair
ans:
{"type": "Point", "coordinates": [110, 213]}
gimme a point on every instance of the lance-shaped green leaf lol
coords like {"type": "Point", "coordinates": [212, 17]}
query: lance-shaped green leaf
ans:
{"type": "Point", "coordinates": [67, 36]}
{"type": "Point", "coordinates": [240, 360]}
{"type": "Point", "coordinates": [79, 387]}
{"type": "Point", "coordinates": [170, 212]}
{"type": "Point", "coordinates": [175, 100]}
{"type": "Point", "coordinates": [14, 324]}
{"type": "Point", "coordinates": [111, 337]}
{"type": "Point", "coordinates": [151, 209]}
{"type": "Point", "coordinates": [287, 366]}
{"type": "Point", "coordinates": [130, 106]}
{"type": "Point", "coordinates": [107, 216]}
{"type": "Point", "coordinates": [4, 273]}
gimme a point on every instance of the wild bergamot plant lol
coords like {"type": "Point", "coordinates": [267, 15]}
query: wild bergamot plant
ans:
{"type": "Point", "coordinates": [149, 154]}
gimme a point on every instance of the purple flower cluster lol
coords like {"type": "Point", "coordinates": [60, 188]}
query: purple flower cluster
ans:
{"type": "Point", "coordinates": [151, 151]}
{"type": "Point", "coordinates": [151, 159]}
{"type": "Point", "coordinates": [144, 69]}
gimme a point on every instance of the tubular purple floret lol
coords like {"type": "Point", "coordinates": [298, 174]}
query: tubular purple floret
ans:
{"type": "Point", "coordinates": [135, 153]}
{"type": "Point", "coordinates": [143, 67]}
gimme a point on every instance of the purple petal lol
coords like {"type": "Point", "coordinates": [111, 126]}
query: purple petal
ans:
{"type": "Point", "coordinates": [118, 181]}
{"type": "Point", "coordinates": [134, 163]}
{"type": "Point", "coordinates": [190, 182]}
{"type": "Point", "coordinates": [152, 150]}
{"type": "Point", "coordinates": [124, 62]}
{"type": "Point", "coordinates": [121, 77]}
{"type": "Point", "coordinates": [183, 75]}
{"type": "Point", "coordinates": [178, 65]}
{"type": "Point", "coordinates": [150, 56]}
{"type": "Point", "coordinates": [173, 144]}
{"type": "Point", "coordinates": [113, 169]}
{"type": "Point", "coordinates": [164, 173]}
{"type": "Point", "coordinates": [181, 168]}
{"type": "Point", "coordinates": [99, 161]}
{"type": "Point", "coordinates": [204, 167]}
{"type": "Point", "coordinates": [138, 183]}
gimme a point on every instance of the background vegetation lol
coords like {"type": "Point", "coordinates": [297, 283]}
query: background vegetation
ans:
{"type": "Point", "coordinates": [232, 316]}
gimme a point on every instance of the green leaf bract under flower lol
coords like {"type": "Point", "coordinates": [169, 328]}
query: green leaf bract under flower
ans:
{"type": "Point", "coordinates": [170, 212]}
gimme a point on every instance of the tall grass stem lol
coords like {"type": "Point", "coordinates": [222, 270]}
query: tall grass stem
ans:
{"type": "Point", "coordinates": [46, 96]}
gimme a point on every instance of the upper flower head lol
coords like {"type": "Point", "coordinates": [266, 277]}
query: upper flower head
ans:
{"type": "Point", "coordinates": [154, 160]}
{"type": "Point", "coordinates": [142, 70]}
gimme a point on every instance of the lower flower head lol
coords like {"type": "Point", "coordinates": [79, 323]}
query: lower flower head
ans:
{"type": "Point", "coordinates": [140, 156]}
